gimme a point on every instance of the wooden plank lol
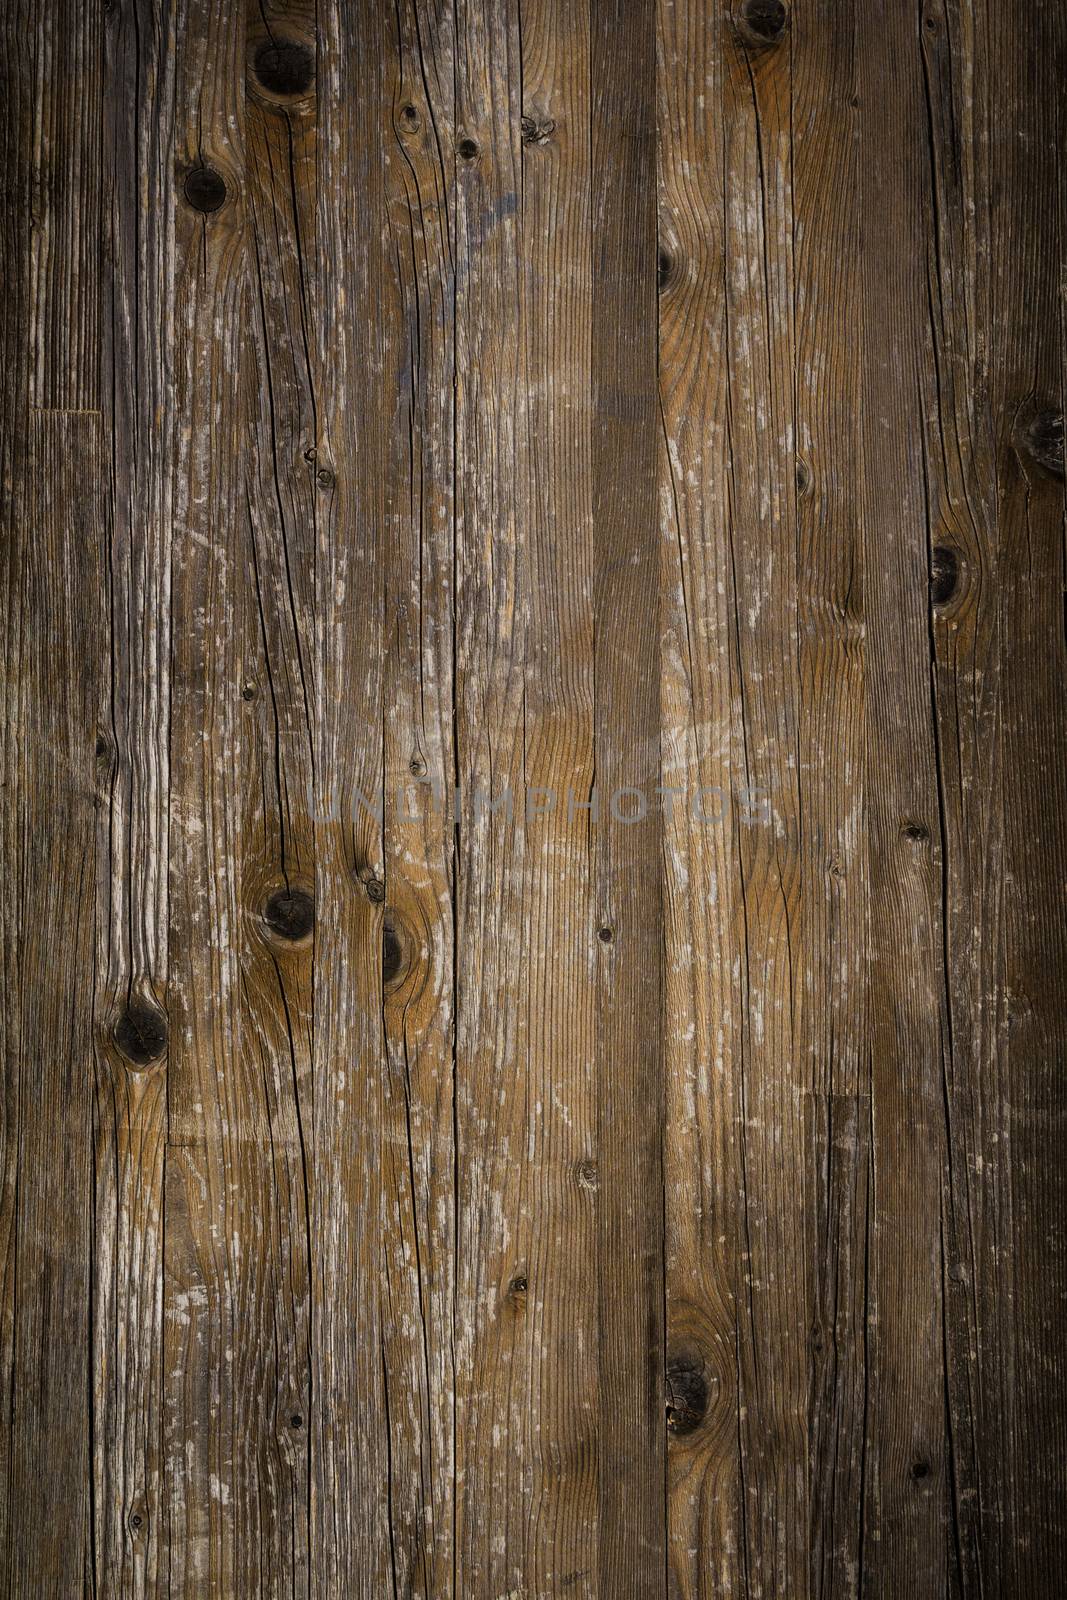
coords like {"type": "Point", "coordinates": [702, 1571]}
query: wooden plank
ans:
{"type": "Point", "coordinates": [242, 898]}
{"type": "Point", "coordinates": [831, 929]}
{"type": "Point", "coordinates": [16, 120]}
{"type": "Point", "coordinates": [355, 400]}
{"type": "Point", "coordinates": [133, 760]}
{"type": "Point", "coordinates": [775, 1287]}
{"type": "Point", "coordinates": [703, 998]}
{"type": "Point", "coordinates": [627, 853]}
{"type": "Point", "coordinates": [553, 1309]}
{"type": "Point", "coordinates": [213, 1249]}
{"type": "Point", "coordinates": [1024, 54]}
{"type": "Point", "coordinates": [53, 567]}
{"type": "Point", "coordinates": [497, 1221]}
{"type": "Point", "coordinates": [418, 974]}
{"type": "Point", "coordinates": [908, 1541]}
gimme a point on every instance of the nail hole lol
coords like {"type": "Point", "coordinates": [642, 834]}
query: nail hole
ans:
{"type": "Point", "coordinates": [285, 66]}
{"type": "Point", "coordinates": [141, 1033]}
{"type": "Point", "coordinates": [205, 188]}
{"type": "Point", "coordinates": [290, 914]}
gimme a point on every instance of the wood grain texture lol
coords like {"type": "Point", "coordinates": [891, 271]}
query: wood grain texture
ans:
{"type": "Point", "coordinates": [534, 771]}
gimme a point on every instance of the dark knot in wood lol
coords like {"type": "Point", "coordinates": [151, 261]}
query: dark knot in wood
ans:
{"type": "Point", "coordinates": [285, 67]}
{"type": "Point", "coordinates": [763, 21]}
{"type": "Point", "coordinates": [205, 188]}
{"type": "Point", "coordinates": [537, 130]}
{"type": "Point", "coordinates": [392, 952]}
{"type": "Point", "coordinates": [141, 1033]}
{"type": "Point", "coordinates": [687, 1394]}
{"type": "Point", "coordinates": [467, 149]}
{"type": "Point", "coordinates": [290, 914]}
{"type": "Point", "coordinates": [944, 574]}
{"type": "Point", "coordinates": [1043, 439]}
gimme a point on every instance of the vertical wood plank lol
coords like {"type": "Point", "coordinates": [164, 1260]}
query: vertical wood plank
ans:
{"type": "Point", "coordinates": [554, 1303]}
{"type": "Point", "coordinates": [137, 324]}
{"type": "Point", "coordinates": [628, 860]}
{"type": "Point", "coordinates": [831, 928]}
{"type": "Point", "coordinates": [417, 926]}
{"type": "Point", "coordinates": [775, 1290]}
{"type": "Point", "coordinates": [907, 1533]}
{"type": "Point", "coordinates": [497, 1223]}
{"type": "Point", "coordinates": [16, 122]}
{"type": "Point", "coordinates": [53, 568]}
{"type": "Point", "coordinates": [350, 1440]}
{"type": "Point", "coordinates": [212, 1242]}
{"type": "Point", "coordinates": [1026, 51]}
{"type": "Point", "coordinates": [702, 999]}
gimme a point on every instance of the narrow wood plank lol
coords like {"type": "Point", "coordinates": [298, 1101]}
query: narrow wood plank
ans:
{"type": "Point", "coordinates": [1026, 52]}
{"type": "Point", "coordinates": [350, 1440]}
{"type": "Point", "coordinates": [830, 932]}
{"type": "Point", "coordinates": [628, 852]}
{"type": "Point", "coordinates": [703, 998]}
{"type": "Point", "coordinates": [497, 1225]}
{"type": "Point", "coordinates": [775, 1276]}
{"type": "Point", "coordinates": [961, 576]}
{"type": "Point", "coordinates": [212, 1241]}
{"type": "Point", "coordinates": [907, 1545]}
{"type": "Point", "coordinates": [17, 84]}
{"type": "Point", "coordinates": [54, 567]}
{"type": "Point", "coordinates": [242, 896]}
{"type": "Point", "coordinates": [137, 323]}
{"type": "Point", "coordinates": [418, 957]}
{"type": "Point", "coordinates": [554, 1304]}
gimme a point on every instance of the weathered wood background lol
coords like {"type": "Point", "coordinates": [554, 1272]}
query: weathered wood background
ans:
{"type": "Point", "coordinates": [402, 1196]}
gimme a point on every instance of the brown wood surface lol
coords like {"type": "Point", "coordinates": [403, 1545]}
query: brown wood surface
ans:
{"type": "Point", "coordinates": [534, 769]}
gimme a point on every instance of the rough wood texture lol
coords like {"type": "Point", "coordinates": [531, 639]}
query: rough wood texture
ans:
{"type": "Point", "coordinates": [534, 766]}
